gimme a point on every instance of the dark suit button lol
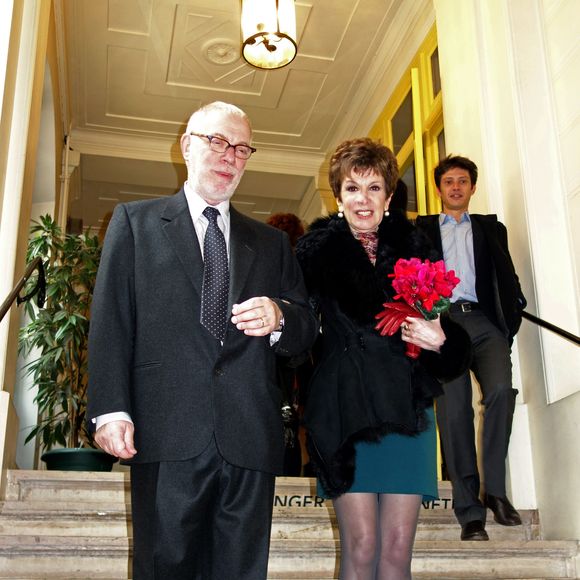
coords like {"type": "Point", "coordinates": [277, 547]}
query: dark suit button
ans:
{"type": "Point", "coordinates": [218, 372]}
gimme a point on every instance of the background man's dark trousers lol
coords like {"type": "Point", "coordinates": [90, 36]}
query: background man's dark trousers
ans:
{"type": "Point", "coordinates": [492, 367]}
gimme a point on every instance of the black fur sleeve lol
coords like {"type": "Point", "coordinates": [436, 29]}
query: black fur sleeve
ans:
{"type": "Point", "coordinates": [454, 357]}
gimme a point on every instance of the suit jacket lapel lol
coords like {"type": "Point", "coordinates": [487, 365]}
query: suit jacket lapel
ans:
{"type": "Point", "coordinates": [242, 255]}
{"type": "Point", "coordinates": [437, 235]}
{"type": "Point", "coordinates": [178, 227]}
{"type": "Point", "coordinates": [478, 240]}
{"type": "Point", "coordinates": [433, 231]}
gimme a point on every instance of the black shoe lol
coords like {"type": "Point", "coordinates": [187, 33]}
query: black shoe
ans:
{"type": "Point", "coordinates": [503, 511]}
{"type": "Point", "coordinates": [474, 531]}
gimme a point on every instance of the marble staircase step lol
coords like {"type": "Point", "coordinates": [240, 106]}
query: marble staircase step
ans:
{"type": "Point", "coordinates": [452, 559]}
{"type": "Point", "coordinates": [63, 557]}
{"type": "Point", "coordinates": [71, 525]}
{"type": "Point", "coordinates": [66, 486]}
{"type": "Point", "coordinates": [64, 519]}
{"type": "Point", "coordinates": [82, 557]}
{"type": "Point", "coordinates": [114, 519]}
{"type": "Point", "coordinates": [497, 559]}
{"type": "Point", "coordinates": [433, 525]}
{"type": "Point", "coordinates": [308, 523]}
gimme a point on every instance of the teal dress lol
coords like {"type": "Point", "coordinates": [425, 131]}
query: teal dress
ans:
{"type": "Point", "coordinates": [398, 464]}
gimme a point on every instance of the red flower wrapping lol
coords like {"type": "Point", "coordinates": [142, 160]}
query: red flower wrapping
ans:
{"type": "Point", "coordinates": [425, 288]}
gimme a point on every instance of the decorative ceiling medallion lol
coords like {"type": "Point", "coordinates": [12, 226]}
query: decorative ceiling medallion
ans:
{"type": "Point", "coordinates": [219, 51]}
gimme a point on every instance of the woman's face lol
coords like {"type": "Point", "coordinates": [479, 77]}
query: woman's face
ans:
{"type": "Point", "coordinates": [364, 200]}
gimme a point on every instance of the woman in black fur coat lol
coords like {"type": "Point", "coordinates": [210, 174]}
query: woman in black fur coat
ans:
{"type": "Point", "coordinates": [369, 411]}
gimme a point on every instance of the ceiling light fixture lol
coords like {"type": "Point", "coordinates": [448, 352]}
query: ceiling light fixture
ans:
{"type": "Point", "coordinates": [268, 32]}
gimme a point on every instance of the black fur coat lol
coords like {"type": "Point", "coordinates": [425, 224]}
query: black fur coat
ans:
{"type": "Point", "coordinates": [364, 386]}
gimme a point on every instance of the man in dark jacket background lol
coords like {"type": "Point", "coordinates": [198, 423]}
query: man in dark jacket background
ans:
{"type": "Point", "coordinates": [488, 304]}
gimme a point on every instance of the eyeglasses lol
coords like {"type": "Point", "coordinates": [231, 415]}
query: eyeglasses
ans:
{"type": "Point", "coordinates": [220, 145]}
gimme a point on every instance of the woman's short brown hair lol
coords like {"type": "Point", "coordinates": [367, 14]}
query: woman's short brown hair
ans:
{"type": "Point", "coordinates": [360, 156]}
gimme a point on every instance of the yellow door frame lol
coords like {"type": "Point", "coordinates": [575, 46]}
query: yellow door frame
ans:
{"type": "Point", "coordinates": [421, 146]}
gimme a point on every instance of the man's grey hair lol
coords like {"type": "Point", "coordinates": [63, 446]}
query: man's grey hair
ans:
{"type": "Point", "coordinates": [216, 106]}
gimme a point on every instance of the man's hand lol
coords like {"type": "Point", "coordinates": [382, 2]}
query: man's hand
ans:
{"type": "Point", "coordinates": [116, 438]}
{"type": "Point", "coordinates": [258, 316]}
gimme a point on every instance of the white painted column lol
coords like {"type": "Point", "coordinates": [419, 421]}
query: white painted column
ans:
{"type": "Point", "coordinates": [550, 213]}
{"type": "Point", "coordinates": [6, 9]}
{"type": "Point", "coordinates": [16, 159]}
{"type": "Point", "coordinates": [21, 72]}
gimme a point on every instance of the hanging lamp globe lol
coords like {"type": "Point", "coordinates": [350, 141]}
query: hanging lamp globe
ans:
{"type": "Point", "coordinates": [268, 33]}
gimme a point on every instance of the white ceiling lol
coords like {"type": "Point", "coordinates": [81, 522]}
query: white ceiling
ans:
{"type": "Point", "coordinates": [136, 69]}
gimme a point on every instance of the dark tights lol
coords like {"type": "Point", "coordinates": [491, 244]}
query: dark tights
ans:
{"type": "Point", "coordinates": [377, 532]}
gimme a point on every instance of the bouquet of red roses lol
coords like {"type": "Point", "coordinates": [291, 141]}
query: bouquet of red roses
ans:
{"type": "Point", "coordinates": [425, 288]}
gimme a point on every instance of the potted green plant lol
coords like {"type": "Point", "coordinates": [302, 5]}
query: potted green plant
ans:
{"type": "Point", "coordinates": [55, 338]}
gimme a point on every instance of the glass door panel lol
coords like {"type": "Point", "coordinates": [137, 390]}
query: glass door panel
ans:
{"type": "Point", "coordinates": [402, 123]}
{"type": "Point", "coordinates": [441, 145]}
{"type": "Point", "coordinates": [435, 75]}
{"type": "Point", "coordinates": [408, 178]}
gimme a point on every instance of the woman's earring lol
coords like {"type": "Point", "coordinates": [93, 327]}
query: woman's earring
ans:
{"type": "Point", "coordinates": [340, 211]}
{"type": "Point", "coordinates": [386, 213]}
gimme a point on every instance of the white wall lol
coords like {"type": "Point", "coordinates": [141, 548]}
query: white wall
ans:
{"type": "Point", "coordinates": [510, 80]}
{"type": "Point", "coordinates": [546, 50]}
{"type": "Point", "coordinates": [561, 26]}
{"type": "Point", "coordinates": [547, 199]}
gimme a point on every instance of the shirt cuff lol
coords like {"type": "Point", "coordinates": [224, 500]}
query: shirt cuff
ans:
{"type": "Point", "coordinates": [110, 417]}
{"type": "Point", "coordinates": [275, 335]}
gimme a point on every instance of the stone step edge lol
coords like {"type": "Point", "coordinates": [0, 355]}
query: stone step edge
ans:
{"type": "Point", "coordinates": [74, 510]}
{"type": "Point", "coordinates": [121, 526]}
{"type": "Point", "coordinates": [25, 544]}
{"type": "Point", "coordinates": [42, 478]}
{"type": "Point", "coordinates": [118, 476]}
{"type": "Point", "coordinates": [292, 575]}
{"type": "Point", "coordinates": [280, 531]}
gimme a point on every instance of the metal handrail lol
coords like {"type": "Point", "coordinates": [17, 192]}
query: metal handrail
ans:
{"type": "Point", "coordinates": [561, 332]}
{"type": "Point", "coordinates": [39, 288]}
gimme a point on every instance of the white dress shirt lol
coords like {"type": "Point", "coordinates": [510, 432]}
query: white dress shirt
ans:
{"type": "Point", "coordinates": [457, 244]}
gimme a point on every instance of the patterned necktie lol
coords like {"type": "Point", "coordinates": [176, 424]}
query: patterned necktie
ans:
{"type": "Point", "coordinates": [216, 278]}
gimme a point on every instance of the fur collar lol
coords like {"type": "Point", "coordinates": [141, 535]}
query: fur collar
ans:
{"type": "Point", "coordinates": [335, 264]}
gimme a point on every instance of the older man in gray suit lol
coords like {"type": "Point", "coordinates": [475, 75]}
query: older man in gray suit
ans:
{"type": "Point", "coordinates": [183, 391]}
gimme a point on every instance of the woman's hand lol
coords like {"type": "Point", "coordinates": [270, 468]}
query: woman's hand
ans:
{"type": "Point", "coordinates": [426, 334]}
